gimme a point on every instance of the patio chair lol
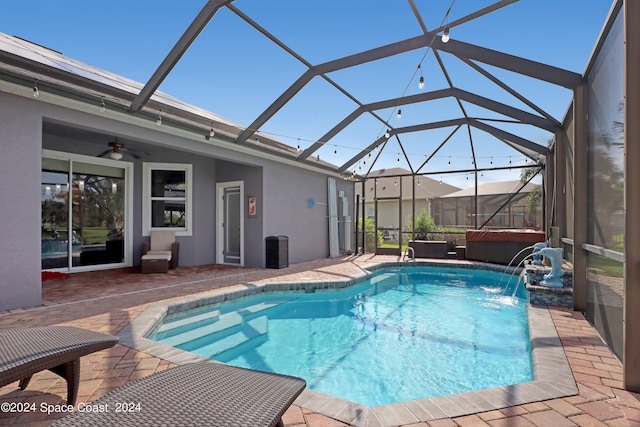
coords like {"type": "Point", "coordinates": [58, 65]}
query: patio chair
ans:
{"type": "Point", "coordinates": [24, 352]}
{"type": "Point", "coordinates": [197, 394]}
{"type": "Point", "coordinates": [160, 253]}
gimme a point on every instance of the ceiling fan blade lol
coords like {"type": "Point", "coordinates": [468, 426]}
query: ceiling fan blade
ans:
{"type": "Point", "coordinates": [131, 153]}
{"type": "Point", "coordinates": [104, 153]}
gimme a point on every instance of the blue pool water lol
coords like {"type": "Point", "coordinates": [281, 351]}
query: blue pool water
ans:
{"type": "Point", "coordinates": [407, 333]}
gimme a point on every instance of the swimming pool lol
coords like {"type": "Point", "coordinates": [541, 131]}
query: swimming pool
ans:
{"type": "Point", "coordinates": [404, 334]}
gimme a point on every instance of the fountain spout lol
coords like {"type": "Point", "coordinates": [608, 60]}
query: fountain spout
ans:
{"type": "Point", "coordinates": [537, 258]}
{"type": "Point", "coordinates": [553, 279]}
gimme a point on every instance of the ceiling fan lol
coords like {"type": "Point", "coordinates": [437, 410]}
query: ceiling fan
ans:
{"type": "Point", "coordinates": [117, 150]}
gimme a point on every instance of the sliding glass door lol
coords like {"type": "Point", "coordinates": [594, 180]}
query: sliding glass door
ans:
{"type": "Point", "coordinates": [84, 216]}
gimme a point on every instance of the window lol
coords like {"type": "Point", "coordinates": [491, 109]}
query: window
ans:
{"type": "Point", "coordinates": [167, 191]}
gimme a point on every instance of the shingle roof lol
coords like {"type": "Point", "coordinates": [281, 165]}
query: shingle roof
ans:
{"type": "Point", "coordinates": [493, 188]}
{"type": "Point", "coordinates": [388, 182]}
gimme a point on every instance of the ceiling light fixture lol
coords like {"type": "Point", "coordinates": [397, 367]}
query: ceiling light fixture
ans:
{"type": "Point", "coordinates": [116, 153]}
{"type": "Point", "coordinates": [36, 92]}
{"type": "Point", "coordinates": [445, 34]}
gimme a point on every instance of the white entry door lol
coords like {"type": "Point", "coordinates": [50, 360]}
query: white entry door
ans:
{"type": "Point", "coordinates": [230, 223]}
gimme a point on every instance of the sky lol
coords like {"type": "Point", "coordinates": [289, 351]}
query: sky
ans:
{"type": "Point", "coordinates": [235, 72]}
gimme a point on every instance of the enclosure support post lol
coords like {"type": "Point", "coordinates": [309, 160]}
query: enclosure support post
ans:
{"type": "Point", "coordinates": [631, 319]}
{"type": "Point", "coordinates": [580, 192]}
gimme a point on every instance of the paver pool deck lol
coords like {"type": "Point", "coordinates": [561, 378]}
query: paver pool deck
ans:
{"type": "Point", "coordinates": [107, 301]}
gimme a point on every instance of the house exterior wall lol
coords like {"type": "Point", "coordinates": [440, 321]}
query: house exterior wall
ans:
{"type": "Point", "coordinates": [282, 191]}
{"type": "Point", "coordinates": [253, 227]}
{"type": "Point", "coordinates": [388, 212]}
{"type": "Point", "coordinates": [286, 203]}
{"type": "Point", "coordinates": [20, 164]}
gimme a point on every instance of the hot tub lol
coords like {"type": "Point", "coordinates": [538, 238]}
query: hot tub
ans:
{"type": "Point", "coordinates": [500, 246]}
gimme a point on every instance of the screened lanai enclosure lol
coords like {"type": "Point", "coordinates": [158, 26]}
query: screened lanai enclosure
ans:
{"type": "Point", "coordinates": [429, 119]}
{"type": "Point", "coordinates": [468, 114]}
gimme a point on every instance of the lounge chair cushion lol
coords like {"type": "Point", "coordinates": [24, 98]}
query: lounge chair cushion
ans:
{"type": "Point", "coordinates": [161, 240]}
{"type": "Point", "coordinates": [197, 394]}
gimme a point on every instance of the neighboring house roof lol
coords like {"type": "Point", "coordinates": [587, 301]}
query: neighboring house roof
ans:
{"type": "Point", "coordinates": [388, 185]}
{"type": "Point", "coordinates": [493, 189]}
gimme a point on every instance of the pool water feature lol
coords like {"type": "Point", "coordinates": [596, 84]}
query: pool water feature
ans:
{"type": "Point", "coordinates": [407, 333]}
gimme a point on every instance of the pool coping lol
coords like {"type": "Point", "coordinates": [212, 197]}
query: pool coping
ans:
{"type": "Point", "coordinates": [553, 377]}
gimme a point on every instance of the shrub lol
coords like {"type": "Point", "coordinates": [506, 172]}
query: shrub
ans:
{"type": "Point", "coordinates": [424, 225]}
{"type": "Point", "coordinates": [370, 234]}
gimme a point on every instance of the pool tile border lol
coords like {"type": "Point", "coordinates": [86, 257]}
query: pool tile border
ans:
{"type": "Point", "coordinates": [553, 377]}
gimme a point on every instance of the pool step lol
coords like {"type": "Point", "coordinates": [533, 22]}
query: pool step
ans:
{"type": "Point", "coordinates": [226, 324]}
{"type": "Point", "coordinates": [248, 336]}
{"type": "Point", "coordinates": [182, 325]}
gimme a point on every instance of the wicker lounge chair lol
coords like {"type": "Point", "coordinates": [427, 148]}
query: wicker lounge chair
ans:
{"type": "Point", "coordinates": [195, 394]}
{"type": "Point", "coordinates": [24, 352]}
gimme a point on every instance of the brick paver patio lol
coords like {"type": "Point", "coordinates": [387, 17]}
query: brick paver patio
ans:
{"type": "Point", "coordinates": [106, 301]}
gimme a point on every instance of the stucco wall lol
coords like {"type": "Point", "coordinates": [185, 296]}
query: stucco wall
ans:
{"type": "Point", "coordinates": [283, 191]}
{"type": "Point", "coordinates": [286, 203]}
{"type": "Point", "coordinates": [20, 170]}
{"type": "Point", "coordinates": [252, 177]}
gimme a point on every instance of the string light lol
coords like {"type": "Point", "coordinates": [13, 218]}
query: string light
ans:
{"type": "Point", "coordinates": [36, 92]}
{"type": "Point", "coordinates": [103, 107]}
{"type": "Point", "coordinates": [449, 160]}
{"type": "Point", "coordinates": [387, 134]}
{"type": "Point", "coordinates": [159, 121]}
{"type": "Point", "coordinates": [399, 115]}
{"type": "Point", "coordinates": [445, 34]}
{"type": "Point", "coordinates": [212, 133]}
{"type": "Point", "coordinates": [421, 81]}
